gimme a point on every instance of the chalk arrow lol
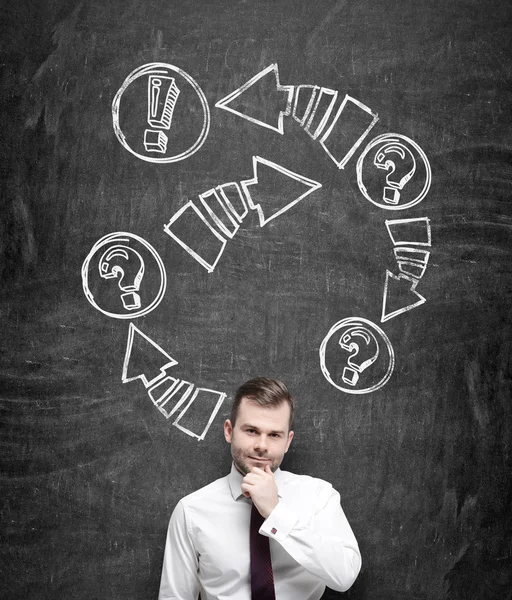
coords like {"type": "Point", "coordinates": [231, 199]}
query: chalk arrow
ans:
{"type": "Point", "coordinates": [400, 295]}
{"type": "Point", "coordinates": [275, 189]}
{"type": "Point", "coordinates": [246, 101]}
{"type": "Point", "coordinates": [142, 354]}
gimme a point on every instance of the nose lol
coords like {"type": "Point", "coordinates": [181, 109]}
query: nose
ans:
{"type": "Point", "coordinates": [261, 443]}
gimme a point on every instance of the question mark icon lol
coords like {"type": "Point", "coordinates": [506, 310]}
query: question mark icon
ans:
{"type": "Point", "coordinates": [408, 169]}
{"type": "Point", "coordinates": [400, 169]}
{"type": "Point", "coordinates": [367, 345]}
{"type": "Point", "coordinates": [128, 258]}
{"type": "Point", "coordinates": [351, 342]}
{"type": "Point", "coordinates": [120, 262]}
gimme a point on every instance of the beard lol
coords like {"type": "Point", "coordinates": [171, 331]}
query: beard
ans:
{"type": "Point", "coordinates": [243, 467]}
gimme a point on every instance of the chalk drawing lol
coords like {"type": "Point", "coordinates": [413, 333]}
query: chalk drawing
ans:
{"type": "Point", "coordinates": [234, 200]}
{"type": "Point", "coordinates": [203, 229]}
{"type": "Point", "coordinates": [397, 287]}
{"type": "Point", "coordinates": [269, 208]}
{"type": "Point", "coordinates": [114, 263]}
{"type": "Point", "coordinates": [116, 279]}
{"type": "Point", "coordinates": [197, 235]}
{"type": "Point", "coordinates": [410, 237]}
{"type": "Point", "coordinates": [412, 232]}
{"type": "Point", "coordinates": [320, 112]}
{"type": "Point", "coordinates": [412, 261]}
{"type": "Point", "coordinates": [311, 106]}
{"type": "Point", "coordinates": [173, 102]}
{"type": "Point", "coordinates": [406, 171]}
{"type": "Point", "coordinates": [303, 102]}
{"type": "Point", "coordinates": [195, 407]}
{"type": "Point", "coordinates": [283, 95]}
{"type": "Point", "coordinates": [346, 132]}
{"type": "Point", "coordinates": [356, 356]}
{"type": "Point", "coordinates": [162, 97]}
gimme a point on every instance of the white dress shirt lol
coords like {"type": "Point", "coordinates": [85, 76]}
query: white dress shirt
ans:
{"type": "Point", "coordinates": [207, 546]}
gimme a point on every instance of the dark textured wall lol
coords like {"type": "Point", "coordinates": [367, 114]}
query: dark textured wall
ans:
{"type": "Point", "coordinates": [91, 470]}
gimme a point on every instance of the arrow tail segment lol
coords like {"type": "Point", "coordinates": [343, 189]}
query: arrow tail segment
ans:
{"type": "Point", "coordinates": [349, 127]}
{"type": "Point", "coordinates": [320, 112]}
{"type": "Point", "coordinates": [195, 417]}
{"type": "Point", "coordinates": [413, 232]}
{"type": "Point", "coordinates": [410, 237]}
{"type": "Point", "coordinates": [167, 389]}
{"type": "Point", "coordinates": [203, 230]}
{"type": "Point", "coordinates": [196, 406]}
{"type": "Point", "coordinates": [411, 261]}
{"type": "Point", "coordinates": [286, 90]}
{"type": "Point", "coordinates": [343, 133]}
{"type": "Point", "coordinates": [303, 102]}
{"type": "Point", "coordinates": [195, 233]}
{"type": "Point", "coordinates": [203, 401]}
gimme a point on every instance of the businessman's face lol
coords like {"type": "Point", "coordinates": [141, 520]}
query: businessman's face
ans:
{"type": "Point", "coordinates": [260, 436]}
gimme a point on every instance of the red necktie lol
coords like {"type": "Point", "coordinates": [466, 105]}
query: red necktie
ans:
{"type": "Point", "coordinates": [262, 578]}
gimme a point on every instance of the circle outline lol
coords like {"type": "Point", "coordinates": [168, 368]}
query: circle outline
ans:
{"type": "Point", "coordinates": [117, 236]}
{"type": "Point", "coordinates": [144, 70]}
{"type": "Point", "coordinates": [359, 171]}
{"type": "Point", "coordinates": [332, 331]}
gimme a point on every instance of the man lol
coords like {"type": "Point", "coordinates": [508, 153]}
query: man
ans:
{"type": "Point", "coordinates": [209, 547]}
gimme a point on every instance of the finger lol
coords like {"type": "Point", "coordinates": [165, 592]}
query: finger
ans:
{"type": "Point", "coordinates": [245, 490]}
{"type": "Point", "coordinates": [268, 470]}
{"type": "Point", "coordinates": [258, 470]}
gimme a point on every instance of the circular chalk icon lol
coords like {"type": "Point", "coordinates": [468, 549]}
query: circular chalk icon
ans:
{"type": "Point", "coordinates": [115, 267]}
{"type": "Point", "coordinates": [165, 84]}
{"type": "Point", "coordinates": [393, 172]}
{"type": "Point", "coordinates": [361, 353]}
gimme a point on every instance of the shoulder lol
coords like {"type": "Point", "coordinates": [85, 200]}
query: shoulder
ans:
{"type": "Point", "coordinates": [305, 482]}
{"type": "Point", "coordinates": [196, 510]}
{"type": "Point", "coordinates": [303, 493]}
{"type": "Point", "coordinates": [212, 490]}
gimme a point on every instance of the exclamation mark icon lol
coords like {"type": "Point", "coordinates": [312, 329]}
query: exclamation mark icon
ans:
{"type": "Point", "coordinates": [162, 97]}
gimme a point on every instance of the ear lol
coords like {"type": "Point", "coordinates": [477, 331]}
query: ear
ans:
{"type": "Point", "coordinates": [228, 431]}
{"type": "Point", "coordinates": [290, 438]}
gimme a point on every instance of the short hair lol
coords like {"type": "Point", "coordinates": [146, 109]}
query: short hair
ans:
{"type": "Point", "coordinates": [269, 393]}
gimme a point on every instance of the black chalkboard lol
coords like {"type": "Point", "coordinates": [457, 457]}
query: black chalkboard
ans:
{"type": "Point", "coordinates": [314, 191]}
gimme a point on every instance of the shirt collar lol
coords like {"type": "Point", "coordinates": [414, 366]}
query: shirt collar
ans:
{"type": "Point", "coordinates": [235, 482]}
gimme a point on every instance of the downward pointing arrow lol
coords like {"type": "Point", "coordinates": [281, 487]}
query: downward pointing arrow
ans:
{"type": "Point", "coordinates": [142, 354]}
{"type": "Point", "coordinates": [400, 295]}
{"type": "Point", "coordinates": [275, 189]}
{"type": "Point", "coordinates": [248, 100]}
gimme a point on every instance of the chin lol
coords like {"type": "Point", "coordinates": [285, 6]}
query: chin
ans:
{"type": "Point", "coordinates": [273, 465]}
{"type": "Point", "coordinates": [241, 466]}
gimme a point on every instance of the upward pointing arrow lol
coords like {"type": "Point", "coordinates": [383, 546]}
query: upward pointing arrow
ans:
{"type": "Point", "coordinates": [144, 359]}
{"type": "Point", "coordinates": [275, 189]}
{"type": "Point", "coordinates": [248, 100]}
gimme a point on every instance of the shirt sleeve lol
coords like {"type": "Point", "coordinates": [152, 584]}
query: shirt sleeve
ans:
{"type": "Point", "coordinates": [325, 545]}
{"type": "Point", "coordinates": [179, 579]}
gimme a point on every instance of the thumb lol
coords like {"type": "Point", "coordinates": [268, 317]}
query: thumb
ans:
{"type": "Point", "coordinates": [268, 470]}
